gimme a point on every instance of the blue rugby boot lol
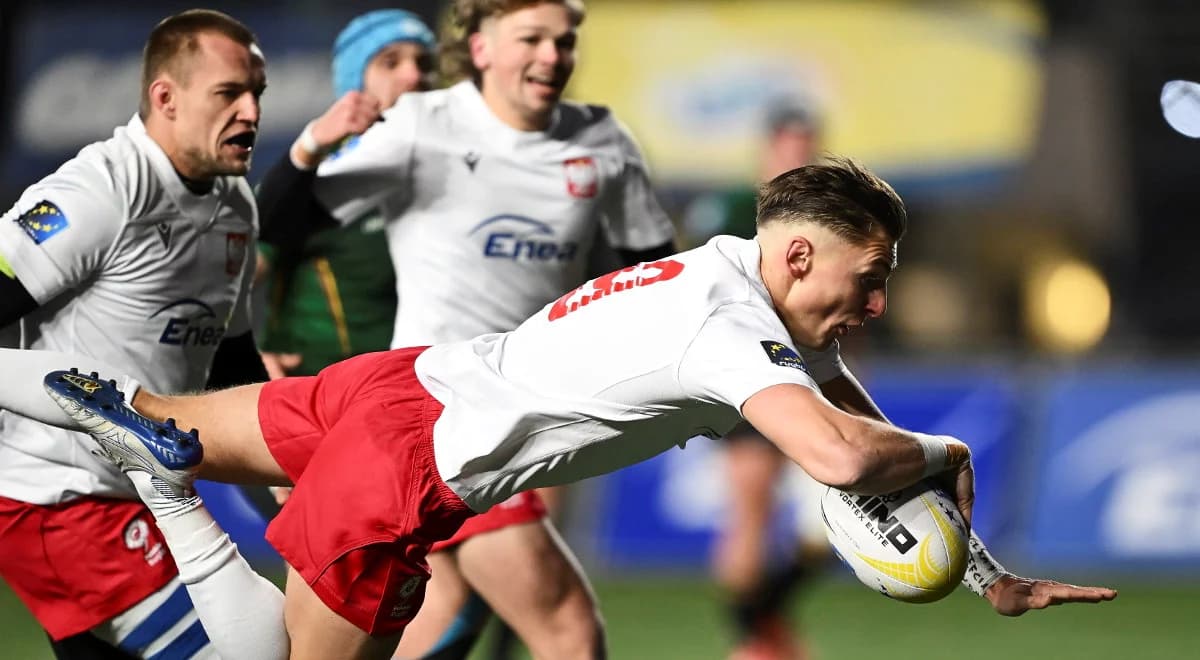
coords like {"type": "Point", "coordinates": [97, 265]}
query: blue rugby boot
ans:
{"type": "Point", "coordinates": [127, 438]}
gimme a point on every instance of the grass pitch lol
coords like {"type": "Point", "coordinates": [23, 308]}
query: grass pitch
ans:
{"type": "Point", "coordinates": [662, 619]}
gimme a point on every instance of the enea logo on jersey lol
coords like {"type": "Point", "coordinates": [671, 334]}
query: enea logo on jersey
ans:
{"type": "Point", "coordinates": [42, 221]}
{"type": "Point", "coordinates": [519, 238]}
{"type": "Point", "coordinates": [783, 356]}
{"type": "Point", "coordinates": [190, 322]}
{"type": "Point", "coordinates": [582, 177]}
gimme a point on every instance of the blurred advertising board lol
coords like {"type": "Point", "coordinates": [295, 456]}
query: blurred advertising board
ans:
{"type": "Point", "coordinates": [1119, 470]}
{"type": "Point", "coordinates": [946, 92]}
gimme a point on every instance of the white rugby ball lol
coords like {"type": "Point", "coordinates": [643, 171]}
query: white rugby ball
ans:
{"type": "Point", "coordinates": [910, 545]}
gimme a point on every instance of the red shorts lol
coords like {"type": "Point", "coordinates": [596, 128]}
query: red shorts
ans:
{"type": "Point", "coordinates": [521, 508]}
{"type": "Point", "coordinates": [78, 564]}
{"type": "Point", "coordinates": [357, 442]}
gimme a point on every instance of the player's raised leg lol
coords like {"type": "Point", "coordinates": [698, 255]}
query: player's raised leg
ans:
{"type": "Point", "coordinates": [147, 428]}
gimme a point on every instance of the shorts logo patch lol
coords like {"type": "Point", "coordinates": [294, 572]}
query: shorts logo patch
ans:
{"type": "Point", "coordinates": [404, 594]}
{"type": "Point", "coordinates": [42, 221]}
{"type": "Point", "coordinates": [137, 537]}
{"type": "Point", "coordinates": [783, 356]}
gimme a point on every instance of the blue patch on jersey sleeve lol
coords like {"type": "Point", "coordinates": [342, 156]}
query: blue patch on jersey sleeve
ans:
{"type": "Point", "coordinates": [346, 145]}
{"type": "Point", "coordinates": [42, 221]}
{"type": "Point", "coordinates": [783, 356]}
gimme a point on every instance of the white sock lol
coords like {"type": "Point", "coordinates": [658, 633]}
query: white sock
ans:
{"type": "Point", "coordinates": [241, 611]}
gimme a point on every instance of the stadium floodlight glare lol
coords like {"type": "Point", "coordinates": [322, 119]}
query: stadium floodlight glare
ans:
{"type": "Point", "coordinates": [1181, 106]}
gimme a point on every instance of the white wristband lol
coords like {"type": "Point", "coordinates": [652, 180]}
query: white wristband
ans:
{"type": "Point", "coordinates": [941, 452]}
{"type": "Point", "coordinates": [308, 144]}
{"type": "Point", "coordinates": [982, 568]}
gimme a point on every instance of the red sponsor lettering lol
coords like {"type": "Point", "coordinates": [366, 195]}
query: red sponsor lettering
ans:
{"type": "Point", "coordinates": [615, 282]}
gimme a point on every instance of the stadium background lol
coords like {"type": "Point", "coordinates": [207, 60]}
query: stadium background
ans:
{"type": "Point", "coordinates": [1045, 310]}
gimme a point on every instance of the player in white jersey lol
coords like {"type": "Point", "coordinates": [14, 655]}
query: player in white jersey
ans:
{"type": "Point", "coordinates": [625, 367]}
{"type": "Point", "coordinates": [135, 252]}
{"type": "Point", "coordinates": [492, 192]}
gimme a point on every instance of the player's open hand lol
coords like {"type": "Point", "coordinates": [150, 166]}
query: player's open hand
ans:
{"type": "Point", "coordinates": [1013, 596]}
{"type": "Point", "coordinates": [350, 115]}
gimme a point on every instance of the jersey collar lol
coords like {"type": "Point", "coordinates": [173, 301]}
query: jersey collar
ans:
{"type": "Point", "coordinates": [200, 210]}
{"type": "Point", "coordinates": [497, 131]}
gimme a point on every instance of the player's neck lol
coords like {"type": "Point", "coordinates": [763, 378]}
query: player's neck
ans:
{"type": "Point", "coordinates": [513, 118]}
{"type": "Point", "coordinates": [196, 186]}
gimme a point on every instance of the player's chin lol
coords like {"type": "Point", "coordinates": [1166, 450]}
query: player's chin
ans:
{"type": "Point", "coordinates": [234, 166]}
{"type": "Point", "coordinates": [543, 98]}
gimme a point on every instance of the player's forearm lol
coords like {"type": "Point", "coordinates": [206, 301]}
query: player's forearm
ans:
{"type": "Point", "coordinates": [888, 458]}
{"type": "Point", "coordinates": [288, 211]}
{"type": "Point", "coordinates": [849, 452]}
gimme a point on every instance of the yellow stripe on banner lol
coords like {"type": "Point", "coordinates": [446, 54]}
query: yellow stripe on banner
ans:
{"type": "Point", "coordinates": [329, 286]}
{"type": "Point", "coordinates": [6, 268]}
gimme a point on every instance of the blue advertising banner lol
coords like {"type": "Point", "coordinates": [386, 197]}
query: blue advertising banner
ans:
{"type": "Point", "coordinates": [664, 513]}
{"type": "Point", "coordinates": [1117, 471]}
{"type": "Point", "coordinates": [234, 512]}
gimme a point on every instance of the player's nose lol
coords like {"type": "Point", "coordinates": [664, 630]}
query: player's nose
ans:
{"type": "Point", "coordinates": [249, 109]}
{"type": "Point", "coordinates": [876, 303]}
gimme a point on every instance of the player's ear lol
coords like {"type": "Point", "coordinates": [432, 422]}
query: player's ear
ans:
{"type": "Point", "coordinates": [799, 256]}
{"type": "Point", "coordinates": [162, 97]}
{"type": "Point", "coordinates": [481, 51]}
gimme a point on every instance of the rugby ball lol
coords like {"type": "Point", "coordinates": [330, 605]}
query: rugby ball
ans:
{"type": "Point", "coordinates": [910, 545]}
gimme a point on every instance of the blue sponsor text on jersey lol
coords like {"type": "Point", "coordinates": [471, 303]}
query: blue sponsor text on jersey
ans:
{"type": "Point", "coordinates": [42, 221]}
{"type": "Point", "coordinates": [190, 322]}
{"type": "Point", "coordinates": [517, 237]}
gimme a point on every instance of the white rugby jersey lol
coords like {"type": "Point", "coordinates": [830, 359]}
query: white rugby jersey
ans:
{"type": "Point", "coordinates": [487, 223]}
{"type": "Point", "coordinates": [612, 373]}
{"type": "Point", "coordinates": [129, 267]}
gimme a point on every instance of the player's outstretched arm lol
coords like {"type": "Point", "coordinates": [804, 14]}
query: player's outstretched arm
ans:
{"type": "Point", "coordinates": [1009, 594]}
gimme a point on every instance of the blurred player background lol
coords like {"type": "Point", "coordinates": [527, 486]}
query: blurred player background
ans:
{"type": "Point", "coordinates": [1045, 303]}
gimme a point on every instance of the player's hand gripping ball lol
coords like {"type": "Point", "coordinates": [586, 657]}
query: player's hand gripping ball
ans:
{"type": "Point", "coordinates": [910, 545]}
